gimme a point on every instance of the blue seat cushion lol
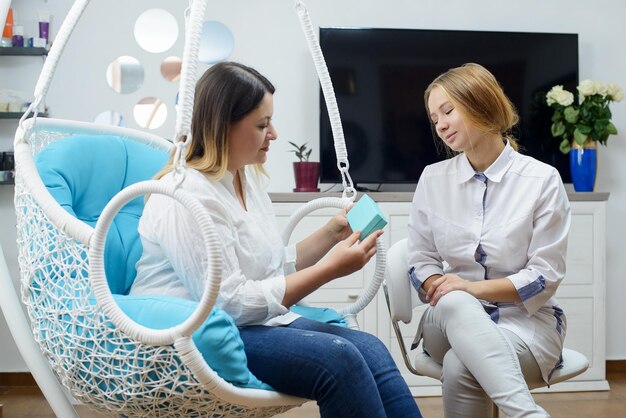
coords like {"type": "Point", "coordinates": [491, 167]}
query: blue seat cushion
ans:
{"type": "Point", "coordinates": [217, 339]}
{"type": "Point", "coordinates": [84, 172]}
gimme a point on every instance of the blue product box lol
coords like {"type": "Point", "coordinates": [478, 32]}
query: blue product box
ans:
{"type": "Point", "coordinates": [366, 217]}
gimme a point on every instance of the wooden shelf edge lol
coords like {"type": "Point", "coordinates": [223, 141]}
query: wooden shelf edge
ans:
{"type": "Point", "coordinates": [17, 115]}
{"type": "Point", "coordinates": [17, 51]}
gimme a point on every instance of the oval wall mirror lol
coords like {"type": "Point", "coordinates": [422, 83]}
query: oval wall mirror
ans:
{"type": "Point", "coordinates": [156, 30]}
{"type": "Point", "coordinates": [125, 75]}
{"type": "Point", "coordinates": [216, 42]}
{"type": "Point", "coordinates": [150, 112]}
{"type": "Point", "coordinates": [170, 68]}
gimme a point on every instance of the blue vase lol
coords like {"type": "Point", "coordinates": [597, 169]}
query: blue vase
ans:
{"type": "Point", "coordinates": [583, 164]}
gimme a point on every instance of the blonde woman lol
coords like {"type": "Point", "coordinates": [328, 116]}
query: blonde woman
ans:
{"type": "Point", "coordinates": [487, 239]}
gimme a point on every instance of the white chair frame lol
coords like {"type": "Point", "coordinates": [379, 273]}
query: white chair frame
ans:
{"type": "Point", "coordinates": [29, 350]}
{"type": "Point", "coordinates": [402, 299]}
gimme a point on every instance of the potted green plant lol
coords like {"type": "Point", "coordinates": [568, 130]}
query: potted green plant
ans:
{"type": "Point", "coordinates": [306, 172]}
{"type": "Point", "coordinates": [582, 125]}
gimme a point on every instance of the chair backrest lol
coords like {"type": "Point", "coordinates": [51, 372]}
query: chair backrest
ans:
{"type": "Point", "coordinates": [84, 172]}
{"type": "Point", "coordinates": [402, 297]}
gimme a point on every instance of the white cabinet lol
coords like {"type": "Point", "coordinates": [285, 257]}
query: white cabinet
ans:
{"type": "Point", "coordinates": [581, 294]}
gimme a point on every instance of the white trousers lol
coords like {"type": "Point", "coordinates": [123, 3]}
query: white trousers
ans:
{"type": "Point", "coordinates": [482, 363]}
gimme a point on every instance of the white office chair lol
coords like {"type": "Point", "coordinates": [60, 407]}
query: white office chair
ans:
{"type": "Point", "coordinates": [402, 299]}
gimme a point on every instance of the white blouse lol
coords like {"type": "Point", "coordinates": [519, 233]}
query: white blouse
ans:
{"type": "Point", "coordinates": [255, 261]}
{"type": "Point", "coordinates": [510, 221]}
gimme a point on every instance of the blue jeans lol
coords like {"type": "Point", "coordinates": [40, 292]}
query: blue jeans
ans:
{"type": "Point", "coordinates": [349, 373]}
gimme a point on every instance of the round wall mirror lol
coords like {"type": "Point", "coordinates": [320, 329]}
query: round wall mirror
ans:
{"type": "Point", "coordinates": [125, 75]}
{"type": "Point", "coordinates": [156, 30]}
{"type": "Point", "coordinates": [150, 112]}
{"type": "Point", "coordinates": [170, 68]}
{"type": "Point", "coordinates": [110, 117]}
{"type": "Point", "coordinates": [216, 42]}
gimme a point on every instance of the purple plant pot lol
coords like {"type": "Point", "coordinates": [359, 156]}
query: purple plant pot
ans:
{"type": "Point", "coordinates": [307, 175]}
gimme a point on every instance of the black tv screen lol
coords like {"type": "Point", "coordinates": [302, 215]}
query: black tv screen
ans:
{"type": "Point", "coordinates": [380, 75]}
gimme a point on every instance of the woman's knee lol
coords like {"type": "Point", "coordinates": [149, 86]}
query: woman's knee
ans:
{"type": "Point", "coordinates": [372, 342]}
{"type": "Point", "coordinates": [341, 354]}
{"type": "Point", "coordinates": [459, 303]}
{"type": "Point", "coordinates": [373, 350]}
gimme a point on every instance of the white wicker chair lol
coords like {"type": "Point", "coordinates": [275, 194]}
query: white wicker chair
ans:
{"type": "Point", "coordinates": [402, 299]}
{"type": "Point", "coordinates": [105, 359]}
{"type": "Point", "coordinates": [90, 345]}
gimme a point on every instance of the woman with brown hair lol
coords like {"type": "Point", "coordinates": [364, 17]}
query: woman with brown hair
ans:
{"type": "Point", "coordinates": [349, 373]}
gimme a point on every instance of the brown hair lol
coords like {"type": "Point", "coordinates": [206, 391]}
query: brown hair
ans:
{"type": "Point", "coordinates": [477, 94]}
{"type": "Point", "coordinates": [225, 94]}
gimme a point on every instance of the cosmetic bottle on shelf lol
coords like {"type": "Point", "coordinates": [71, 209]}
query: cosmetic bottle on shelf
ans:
{"type": "Point", "coordinates": [18, 36]}
{"type": "Point", "coordinates": [7, 32]}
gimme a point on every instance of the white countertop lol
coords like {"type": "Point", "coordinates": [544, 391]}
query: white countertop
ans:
{"type": "Point", "coordinates": [408, 196]}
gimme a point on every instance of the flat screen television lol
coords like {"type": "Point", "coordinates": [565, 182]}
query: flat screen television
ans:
{"type": "Point", "coordinates": [380, 75]}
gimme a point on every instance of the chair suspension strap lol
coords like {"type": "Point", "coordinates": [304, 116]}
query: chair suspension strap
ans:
{"type": "Point", "coordinates": [329, 96]}
{"type": "Point", "coordinates": [50, 65]}
{"type": "Point", "coordinates": [194, 16]}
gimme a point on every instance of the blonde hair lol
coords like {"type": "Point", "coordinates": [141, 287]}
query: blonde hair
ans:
{"type": "Point", "coordinates": [226, 93]}
{"type": "Point", "coordinates": [476, 93]}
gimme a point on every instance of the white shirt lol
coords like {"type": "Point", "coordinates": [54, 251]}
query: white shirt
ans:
{"type": "Point", "coordinates": [510, 221]}
{"type": "Point", "coordinates": [255, 260]}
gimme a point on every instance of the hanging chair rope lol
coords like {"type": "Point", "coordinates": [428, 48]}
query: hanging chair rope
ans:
{"type": "Point", "coordinates": [193, 32]}
{"type": "Point", "coordinates": [349, 192]}
{"type": "Point", "coordinates": [329, 96]}
{"type": "Point", "coordinates": [60, 41]}
{"type": "Point", "coordinates": [50, 65]}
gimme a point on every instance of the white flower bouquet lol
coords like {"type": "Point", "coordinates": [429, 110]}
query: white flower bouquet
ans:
{"type": "Point", "coordinates": [590, 119]}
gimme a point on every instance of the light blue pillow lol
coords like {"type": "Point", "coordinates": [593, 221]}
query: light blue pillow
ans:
{"type": "Point", "coordinates": [84, 172]}
{"type": "Point", "coordinates": [217, 339]}
{"type": "Point", "coordinates": [327, 315]}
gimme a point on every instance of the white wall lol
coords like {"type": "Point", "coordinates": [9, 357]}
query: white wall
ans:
{"type": "Point", "coordinates": [268, 37]}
